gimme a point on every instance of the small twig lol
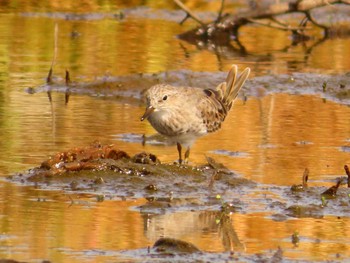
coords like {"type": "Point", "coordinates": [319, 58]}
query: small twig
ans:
{"type": "Point", "coordinates": [274, 19]}
{"type": "Point", "coordinates": [189, 12]}
{"type": "Point", "coordinates": [220, 11]}
{"type": "Point", "coordinates": [49, 76]}
{"type": "Point", "coordinates": [304, 21]}
{"type": "Point", "coordinates": [71, 201]}
{"type": "Point", "coordinates": [312, 20]}
{"type": "Point", "coordinates": [49, 96]}
{"type": "Point", "coordinates": [212, 179]}
{"type": "Point", "coordinates": [285, 28]}
{"type": "Point", "coordinates": [305, 177]}
{"type": "Point", "coordinates": [332, 191]}
{"type": "Point", "coordinates": [232, 23]}
{"type": "Point", "coordinates": [348, 174]}
{"type": "Point", "coordinates": [66, 96]}
{"type": "Point", "coordinates": [185, 18]}
{"type": "Point", "coordinates": [67, 93]}
{"type": "Point", "coordinates": [67, 78]}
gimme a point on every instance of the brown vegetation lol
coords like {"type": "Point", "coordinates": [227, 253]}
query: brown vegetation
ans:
{"type": "Point", "coordinates": [227, 26]}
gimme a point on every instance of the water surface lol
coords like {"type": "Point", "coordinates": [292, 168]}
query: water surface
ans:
{"type": "Point", "coordinates": [269, 139]}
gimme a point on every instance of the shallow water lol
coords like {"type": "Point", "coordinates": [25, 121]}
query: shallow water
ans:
{"type": "Point", "coordinates": [269, 139]}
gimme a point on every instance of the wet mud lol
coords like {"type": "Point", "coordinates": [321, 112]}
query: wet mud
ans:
{"type": "Point", "coordinates": [207, 187]}
{"type": "Point", "coordinates": [139, 12]}
{"type": "Point", "coordinates": [102, 172]}
{"type": "Point", "coordinates": [130, 88]}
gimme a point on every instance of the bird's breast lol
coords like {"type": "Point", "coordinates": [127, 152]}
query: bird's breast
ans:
{"type": "Point", "coordinates": [172, 124]}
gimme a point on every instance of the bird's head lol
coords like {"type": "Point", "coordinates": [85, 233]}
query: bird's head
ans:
{"type": "Point", "coordinates": [158, 98]}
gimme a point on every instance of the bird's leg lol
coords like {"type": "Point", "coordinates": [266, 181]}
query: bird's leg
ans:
{"type": "Point", "coordinates": [187, 154]}
{"type": "Point", "coordinates": [179, 148]}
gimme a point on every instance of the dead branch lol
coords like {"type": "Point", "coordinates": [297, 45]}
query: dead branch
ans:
{"type": "Point", "coordinates": [221, 10]}
{"type": "Point", "coordinates": [189, 13]}
{"type": "Point", "coordinates": [276, 26]}
{"type": "Point", "coordinates": [224, 27]}
{"type": "Point", "coordinates": [49, 76]}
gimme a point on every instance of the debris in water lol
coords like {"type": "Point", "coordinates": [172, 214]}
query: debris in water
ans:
{"type": "Point", "coordinates": [332, 191]}
{"type": "Point", "coordinates": [347, 173]}
{"type": "Point", "coordinates": [295, 239]}
{"type": "Point", "coordinates": [145, 158]}
{"type": "Point", "coordinates": [301, 187]}
{"type": "Point", "coordinates": [168, 245]}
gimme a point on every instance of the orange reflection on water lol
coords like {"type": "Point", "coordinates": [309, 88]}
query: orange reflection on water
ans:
{"type": "Point", "coordinates": [268, 139]}
{"type": "Point", "coordinates": [279, 135]}
{"type": "Point", "coordinates": [65, 227]}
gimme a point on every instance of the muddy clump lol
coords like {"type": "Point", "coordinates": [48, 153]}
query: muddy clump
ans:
{"type": "Point", "coordinates": [78, 159]}
{"type": "Point", "coordinates": [107, 173]}
{"type": "Point", "coordinates": [167, 245]}
{"type": "Point", "coordinates": [105, 170]}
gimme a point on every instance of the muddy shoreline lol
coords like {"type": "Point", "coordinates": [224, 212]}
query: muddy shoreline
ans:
{"type": "Point", "coordinates": [131, 87]}
{"type": "Point", "coordinates": [102, 173]}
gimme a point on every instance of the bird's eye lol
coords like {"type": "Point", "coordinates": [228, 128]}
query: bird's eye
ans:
{"type": "Point", "coordinates": [165, 97]}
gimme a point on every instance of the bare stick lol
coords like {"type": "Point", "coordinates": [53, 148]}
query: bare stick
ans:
{"type": "Point", "coordinates": [188, 11]}
{"type": "Point", "coordinates": [276, 26]}
{"type": "Point", "coordinates": [274, 19]}
{"type": "Point", "coordinates": [221, 10]}
{"type": "Point", "coordinates": [49, 76]}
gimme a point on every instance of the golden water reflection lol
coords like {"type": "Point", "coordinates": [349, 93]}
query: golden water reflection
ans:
{"type": "Point", "coordinates": [280, 135]}
{"type": "Point", "coordinates": [270, 139]}
{"type": "Point", "coordinates": [40, 224]}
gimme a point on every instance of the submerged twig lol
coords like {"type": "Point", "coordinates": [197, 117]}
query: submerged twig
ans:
{"type": "Point", "coordinates": [279, 26]}
{"type": "Point", "coordinates": [221, 10]}
{"type": "Point", "coordinates": [49, 96]}
{"type": "Point", "coordinates": [347, 171]}
{"type": "Point", "coordinates": [226, 27]}
{"type": "Point", "coordinates": [49, 76]}
{"type": "Point", "coordinates": [301, 187]}
{"type": "Point", "coordinates": [189, 13]}
{"type": "Point", "coordinates": [305, 177]}
{"type": "Point", "coordinates": [67, 78]}
{"type": "Point", "coordinates": [67, 93]}
{"type": "Point", "coordinates": [332, 191]}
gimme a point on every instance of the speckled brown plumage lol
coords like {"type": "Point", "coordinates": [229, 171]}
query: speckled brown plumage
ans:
{"type": "Point", "coordinates": [185, 113]}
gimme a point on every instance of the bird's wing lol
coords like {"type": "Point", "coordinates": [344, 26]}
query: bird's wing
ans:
{"type": "Point", "coordinates": [211, 109]}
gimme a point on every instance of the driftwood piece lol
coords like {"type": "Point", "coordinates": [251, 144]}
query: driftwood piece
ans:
{"type": "Point", "coordinates": [227, 26]}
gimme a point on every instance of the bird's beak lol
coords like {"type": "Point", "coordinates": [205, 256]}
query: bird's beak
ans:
{"type": "Point", "coordinates": [148, 112]}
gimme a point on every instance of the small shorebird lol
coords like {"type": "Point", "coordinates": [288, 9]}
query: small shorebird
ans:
{"type": "Point", "coordinates": [183, 114]}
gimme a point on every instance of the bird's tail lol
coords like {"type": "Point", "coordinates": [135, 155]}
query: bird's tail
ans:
{"type": "Point", "coordinates": [229, 89]}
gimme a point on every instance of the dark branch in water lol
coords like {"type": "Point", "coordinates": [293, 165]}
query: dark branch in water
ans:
{"type": "Point", "coordinates": [49, 80]}
{"type": "Point", "coordinates": [348, 174]}
{"type": "Point", "coordinates": [67, 93]}
{"type": "Point", "coordinates": [305, 177]}
{"type": "Point", "coordinates": [227, 26]}
{"type": "Point", "coordinates": [220, 11]}
{"type": "Point", "coordinates": [189, 13]}
{"type": "Point", "coordinates": [67, 78]}
{"type": "Point", "coordinates": [332, 191]}
{"type": "Point", "coordinates": [49, 96]}
{"type": "Point", "coordinates": [49, 76]}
